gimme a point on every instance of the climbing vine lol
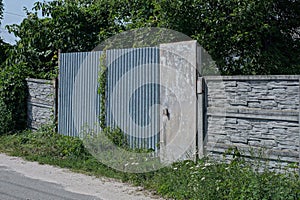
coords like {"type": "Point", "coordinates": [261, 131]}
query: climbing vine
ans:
{"type": "Point", "coordinates": [102, 89]}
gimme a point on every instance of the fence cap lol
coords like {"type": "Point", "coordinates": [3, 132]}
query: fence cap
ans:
{"type": "Point", "coordinates": [39, 80]}
{"type": "Point", "coordinates": [253, 77]}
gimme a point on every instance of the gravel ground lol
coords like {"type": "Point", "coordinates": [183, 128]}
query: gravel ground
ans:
{"type": "Point", "coordinates": [103, 188]}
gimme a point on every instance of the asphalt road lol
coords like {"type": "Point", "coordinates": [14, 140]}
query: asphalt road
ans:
{"type": "Point", "coordinates": [15, 186]}
{"type": "Point", "coordinates": [23, 180]}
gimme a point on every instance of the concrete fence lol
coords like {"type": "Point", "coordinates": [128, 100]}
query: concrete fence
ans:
{"type": "Point", "coordinates": [40, 103]}
{"type": "Point", "coordinates": [253, 113]}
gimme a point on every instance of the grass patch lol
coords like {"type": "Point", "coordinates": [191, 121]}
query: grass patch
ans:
{"type": "Point", "coordinates": [183, 180]}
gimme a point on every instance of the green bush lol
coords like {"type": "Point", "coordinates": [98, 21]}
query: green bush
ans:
{"type": "Point", "coordinates": [5, 119]}
{"type": "Point", "coordinates": [48, 143]}
{"type": "Point", "coordinates": [209, 180]}
{"type": "Point", "coordinates": [13, 95]}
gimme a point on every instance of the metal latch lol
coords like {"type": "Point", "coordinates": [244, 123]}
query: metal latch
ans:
{"type": "Point", "coordinates": [166, 113]}
{"type": "Point", "coordinates": [199, 85]}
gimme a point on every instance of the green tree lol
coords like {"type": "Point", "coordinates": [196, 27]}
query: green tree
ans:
{"type": "Point", "coordinates": [12, 91]}
{"type": "Point", "coordinates": [3, 51]}
{"type": "Point", "coordinates": [32, 49]}
{"type": "Point", "coordinates": [70, 26]}
{"type": "Point", "coordinates": [3, 46]}
{"type": "Point", "coordinates": [243, 36]}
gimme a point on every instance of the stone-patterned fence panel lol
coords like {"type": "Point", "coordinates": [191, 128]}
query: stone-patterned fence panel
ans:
{"type": "Point", "coordinates": [40, 103]}
{"type": "Point", "coordinates": [253, 113]}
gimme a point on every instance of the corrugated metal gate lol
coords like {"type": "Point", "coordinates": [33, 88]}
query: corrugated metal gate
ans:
{"type": "Point", "coordinates": [132, 93]}
{"type": "Point", "coordinates": [78, 98]}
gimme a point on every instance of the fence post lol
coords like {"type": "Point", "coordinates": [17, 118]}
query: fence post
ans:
{"type": "Point", "coordinates": [56, 87]}
{"type": "Point", "coordinates": [200, 125]}
{"type": "Point", "coordinates": [178, 74]}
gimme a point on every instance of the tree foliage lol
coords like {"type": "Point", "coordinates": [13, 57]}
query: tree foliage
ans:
{"type": "Point", "coordinates": [69, 26]}
{"type": "Point", "coordinates": [3, 46]}
{"type": "Point", "coordinates": [1, 10]}
{"type": "Point", "coordinates": [3, 52]}
{"type": "Point", "coordinates": [252, 37]}
{"type": "Point", "coordinates": [13, 96]}
{"type": "Point", "coordinates": [243, 36]}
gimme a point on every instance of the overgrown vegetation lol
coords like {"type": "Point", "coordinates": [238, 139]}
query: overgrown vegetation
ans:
{"type": "Point", "coordinates": [13, 95]}
{"type": "Point", "coordinates": [242, 36]}
{"type": "Point", "coordinates": [184, 180]}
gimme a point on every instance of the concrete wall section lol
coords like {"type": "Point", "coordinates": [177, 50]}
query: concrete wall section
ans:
{"type": "Point", "coordinates": [253, 113]}
{"type": "Point", "coordinates": [178, 101]}
{"type": "Point", "coordinates": [40, 104]}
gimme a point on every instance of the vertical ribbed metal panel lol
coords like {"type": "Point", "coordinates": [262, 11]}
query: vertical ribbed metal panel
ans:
{"type": "Point", "coordinates": [79, 103]}
{"type": "Point", "coordinates": [132, 67]}
{"type": "Point", "coordinates": [78, 97]}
